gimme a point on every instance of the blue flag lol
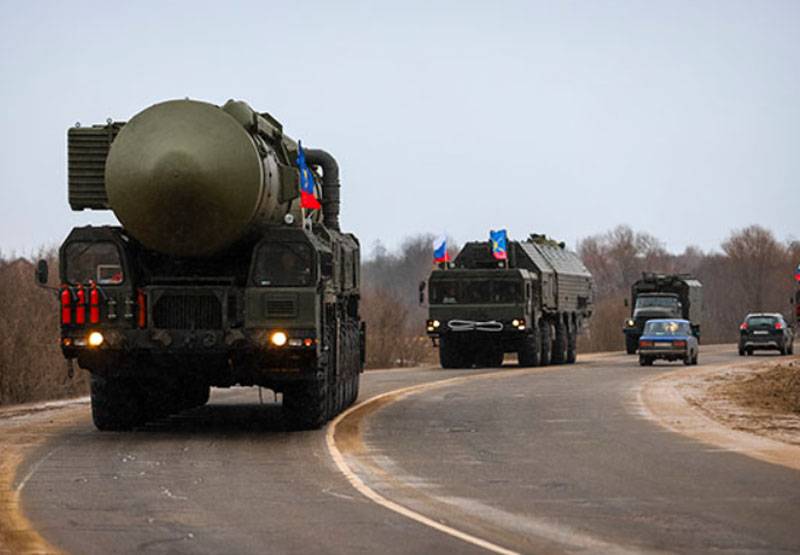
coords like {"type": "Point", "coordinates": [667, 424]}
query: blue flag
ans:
{"type": "Point", "coordinates": [498, 240]}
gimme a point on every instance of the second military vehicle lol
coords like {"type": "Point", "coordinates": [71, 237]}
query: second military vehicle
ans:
{"type": "Point", "coordinates": [662, 296]}
{"type": "Point", "coordinates": [217, 276]}
{"type": "Point", "coordinates": [534, 304]}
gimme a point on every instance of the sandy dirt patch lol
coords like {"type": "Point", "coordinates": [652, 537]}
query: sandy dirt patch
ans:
{"type": "Point", "coordinates": [762, 399]}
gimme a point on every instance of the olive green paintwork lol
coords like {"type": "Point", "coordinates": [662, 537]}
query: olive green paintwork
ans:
{"type": "Point", "coordinates": [481, 311]}
{"type": "Point", "coordinates": [189, 178]}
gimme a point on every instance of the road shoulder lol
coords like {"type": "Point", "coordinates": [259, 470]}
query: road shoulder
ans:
{"type": "Point", "coordinates": [23, 429]}
{"type": "Point", "coordinates": [687, 402]}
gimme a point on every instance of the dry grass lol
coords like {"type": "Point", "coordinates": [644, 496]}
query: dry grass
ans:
{"type": "Point", "coordinates": [31, 365]}
{"type": "Point", "coordinates": [394, 337]}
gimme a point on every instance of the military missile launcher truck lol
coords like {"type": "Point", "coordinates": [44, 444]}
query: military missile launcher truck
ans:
{"type": "Point", "coordinates": [216, 276]}
{"type": "Point", "coordinates": [662, 296]}
{"type": "Point", "coordinates": [534, 304]}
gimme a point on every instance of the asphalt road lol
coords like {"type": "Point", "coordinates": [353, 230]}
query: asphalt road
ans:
{"type": "Point", "coordinates": [549, 460]}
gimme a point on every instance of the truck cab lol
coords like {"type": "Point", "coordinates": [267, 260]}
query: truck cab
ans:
{"type": "Point", "coordinates": [660, 296]}
{"type": "Point", "coordinates": [466, 304]}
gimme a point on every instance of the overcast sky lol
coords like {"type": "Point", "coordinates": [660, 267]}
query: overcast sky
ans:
{"type": "Point", "coordinates": [681, 119]}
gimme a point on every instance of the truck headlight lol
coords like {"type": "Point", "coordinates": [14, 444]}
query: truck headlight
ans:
{"type": "Point", "coordinates": [278, 338]}
{"type": "Point", "coordinates": [436, 323]}
{"type": "Point", "coordinates": [95, 339]}
{"type": "Point", "coordinates": [630, 323]}
{"type": "Point", "coordinates": [518, 323]}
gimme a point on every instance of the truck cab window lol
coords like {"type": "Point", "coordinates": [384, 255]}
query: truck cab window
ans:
{"type": "Point", "coordinates": [283, 265]}
{"type": "Point", "coordinates": [666, 302]}
{"type": "Point", "coordinates": [477, 292]}
{"type": "Point", "coordinates": [506, 291]}
{"type": "Point", "coordinates": [444, 292]}
{"type": "Point", "coordinates": [97, 261]}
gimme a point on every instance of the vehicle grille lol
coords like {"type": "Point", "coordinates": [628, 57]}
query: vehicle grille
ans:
{"type": "Point", "coordinates": [280, 308]}
{"type": "Point", "coordinates": [183, 312]}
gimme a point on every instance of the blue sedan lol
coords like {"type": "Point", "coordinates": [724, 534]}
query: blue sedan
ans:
{"type": "Point", "coordinates": [668, 340]}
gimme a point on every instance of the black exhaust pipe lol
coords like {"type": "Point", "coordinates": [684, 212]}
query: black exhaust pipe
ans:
{"type": "Point", "coordinates": [330, 185]}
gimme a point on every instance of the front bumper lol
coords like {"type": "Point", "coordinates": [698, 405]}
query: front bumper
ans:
{"type": "Point", "coordinates": [176, 342]}
{"type": "Point", "coordinates": [516, 327]}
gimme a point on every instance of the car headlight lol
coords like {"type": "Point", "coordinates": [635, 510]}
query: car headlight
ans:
{"type": "Point", "coordinates": [278, 338]}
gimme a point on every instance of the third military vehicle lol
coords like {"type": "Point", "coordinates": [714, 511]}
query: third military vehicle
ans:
{"type": "Point", "coordinates": [534, 303]}
{"type": "Point", "coordinates": [217, 276]}
{"type": "Point", "coordinates": [662, 296]}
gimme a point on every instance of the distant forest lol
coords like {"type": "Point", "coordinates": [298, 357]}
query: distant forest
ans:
{"type": "Point", "coordinates": [752, 271]}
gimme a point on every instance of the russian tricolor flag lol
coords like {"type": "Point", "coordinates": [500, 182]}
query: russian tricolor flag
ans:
{"type": "Point", "coordinates": [308, 199]}
{"type": "Point", "coordinates": [440, 250]}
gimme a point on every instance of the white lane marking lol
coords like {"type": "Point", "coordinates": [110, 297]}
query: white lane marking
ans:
{"type": "Point", "coordinates": [375, 497]}
{"type": "Point", "coordinates": [34, 467]}
{"type": "Point", "coordinates": [391, 396]}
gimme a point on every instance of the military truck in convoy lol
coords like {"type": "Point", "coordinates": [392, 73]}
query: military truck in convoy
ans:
{"type": "Point", "coordinates": [660, 296]}
{"type": "Point", "coordinates": [533, 304]}
{"type": "Point", "coordinates": [217, 275]}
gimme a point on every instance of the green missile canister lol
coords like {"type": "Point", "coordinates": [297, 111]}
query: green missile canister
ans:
{"type": "Point", "coordinates": [189, 178]}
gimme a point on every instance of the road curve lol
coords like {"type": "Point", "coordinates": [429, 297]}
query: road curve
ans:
{"type": "Point", "coordinates": [557, 459]}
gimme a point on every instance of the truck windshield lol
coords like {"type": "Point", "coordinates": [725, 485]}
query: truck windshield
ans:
{"type": "Point", "coordinates": [475, 292]}
{"type": "Point", "coordinates": [666, 328]}
{"type": "Point", "coordinates": [644, 301]}
{"type": "Point", "coordinates": [283, 265]}
{"type": "Point", "coordinates": [97, 261]}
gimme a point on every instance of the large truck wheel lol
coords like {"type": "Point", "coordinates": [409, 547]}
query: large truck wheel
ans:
{"type": "Point", "coordinates": [450, 355]}
{"type": "Point", "coordinates": [631, 344]}
{"type": "Point", "coordinates": [572, 344]}
{"type": "Point", "coordinates": [544, 343]}
{"type": "Point", "coordinates": [192, 393]}
{"type": "Point", "coordinates": [117, 403]}
{"type": "Point", "coordinates": [354, 383]}
{"type": "Point", "coordinates": [528, 353]}
{"type": "Point", "coordinates": [306, 405]}
{"type": "Point", "coordinates": [558, 355]}
{"type": "Point", "coordinates": [490, 357]}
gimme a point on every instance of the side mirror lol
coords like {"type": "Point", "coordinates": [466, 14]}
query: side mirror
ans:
{"type": "Point", "coordinates": [42, 273]}
{"type": "Point", "coordinates": [421, 292]}
{"type": "Point", "coordinates": [626, 301]}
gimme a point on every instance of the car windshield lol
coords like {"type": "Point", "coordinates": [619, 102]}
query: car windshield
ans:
{"type": "Point", "coordinates": [475, 291]}
{"type": "Point", "coordinates": [648, 302]}
{"type": "Point", "coordinates": [761, 321]}
{"type": "Point", "coordinates": [283, 265]}
{"type": "Point", "coordinates": [666, 328]}
{"type": "Point", "coordinates": [95, 261]}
